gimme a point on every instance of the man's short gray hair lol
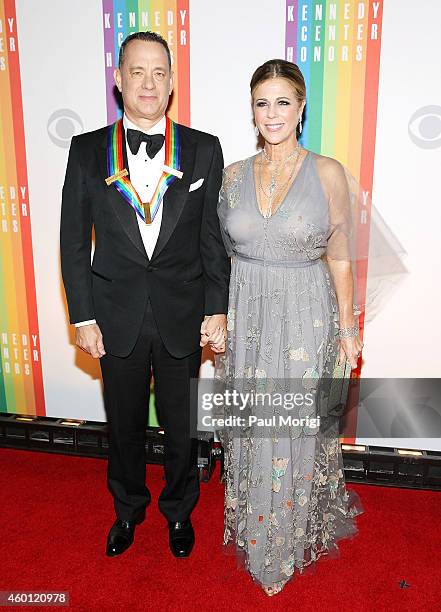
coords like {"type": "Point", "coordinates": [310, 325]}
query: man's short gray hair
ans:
{"type": "Point", "coordinates": [147, 37]}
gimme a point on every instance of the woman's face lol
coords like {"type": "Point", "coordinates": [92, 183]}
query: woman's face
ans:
{"type": "Point", "coordinates": [276, 109]}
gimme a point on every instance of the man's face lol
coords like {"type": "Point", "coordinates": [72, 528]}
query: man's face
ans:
{"type": "Point", "coordinates": [145, 81]}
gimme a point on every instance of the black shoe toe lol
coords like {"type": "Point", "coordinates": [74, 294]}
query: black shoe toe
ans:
{"type": "Point", "coordinates": [120, 538]}
{"type": "Point", "coordinates": [181, 538]}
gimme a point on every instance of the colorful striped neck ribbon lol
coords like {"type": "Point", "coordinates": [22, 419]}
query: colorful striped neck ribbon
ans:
{"type": "Point", "coordinates": [118, 174]}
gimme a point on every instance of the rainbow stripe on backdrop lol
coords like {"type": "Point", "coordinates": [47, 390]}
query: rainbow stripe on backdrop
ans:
{"type": "Point", "coordinates": [115, 165]}
{"type": "Point", "coordinates": [21, 384]}
{"type": "Point", "coordinates": [171, 19]}
{"type": "Point", "coordinates": [337, 44]}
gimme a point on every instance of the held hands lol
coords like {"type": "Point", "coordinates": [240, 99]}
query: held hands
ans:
{"type": "Point", "coordinates": [214, 332]}
{"type": "Point", "coordinates": [90, 340]}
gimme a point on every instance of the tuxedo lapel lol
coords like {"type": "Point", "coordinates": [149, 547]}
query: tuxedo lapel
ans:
{"type": "Point", "coordinates": [124, 212]}
{"type": "Point", "coordinates": [176, 195]}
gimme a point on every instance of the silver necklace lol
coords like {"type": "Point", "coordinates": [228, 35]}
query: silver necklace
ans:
{"type": "Point", "coordinates": [280, 161]}
{"type": "Point", "coordinates": [273, 187]}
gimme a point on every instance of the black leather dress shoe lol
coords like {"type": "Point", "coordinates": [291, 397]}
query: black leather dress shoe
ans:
{"type": "Point", "coordinates": [120, 537]}
{"type": "Point", "coordinates": [181, 538]}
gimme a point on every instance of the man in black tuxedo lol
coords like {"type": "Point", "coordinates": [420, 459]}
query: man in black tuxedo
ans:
{"type": "Point", "coordinates": [157, 289]}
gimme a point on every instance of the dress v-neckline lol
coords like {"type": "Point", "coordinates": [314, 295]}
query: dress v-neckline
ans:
{"type": "Point", "coordinates": [294, 182]}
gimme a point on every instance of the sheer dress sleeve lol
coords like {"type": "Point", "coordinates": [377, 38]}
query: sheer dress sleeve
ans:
{"type": "Point", "coordinates": [358, 234]}
{"type": "Point", "coordinates": [228, 198]}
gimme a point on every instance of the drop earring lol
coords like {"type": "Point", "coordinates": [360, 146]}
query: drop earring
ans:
{"type": "Point", "coordinates": [256, 130]}
{"type": "Point", "coordinates": [300, 125]}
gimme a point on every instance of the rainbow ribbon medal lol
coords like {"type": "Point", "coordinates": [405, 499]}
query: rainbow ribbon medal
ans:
{"type": "Point", "coordinates": [118, 175]}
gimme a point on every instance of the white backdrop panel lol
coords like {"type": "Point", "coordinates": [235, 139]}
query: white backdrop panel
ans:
{"type": "Point", "coordinates": [62, 67]}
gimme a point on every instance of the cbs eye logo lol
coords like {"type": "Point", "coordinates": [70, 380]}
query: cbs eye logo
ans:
{"type": "Point", "coordinates": [425, 127]}
{"type": "Point", "coordinates": [62, 125]}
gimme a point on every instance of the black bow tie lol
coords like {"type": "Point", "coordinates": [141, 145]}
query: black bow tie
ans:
{"type": "Point", "coordinates": [153, 142]}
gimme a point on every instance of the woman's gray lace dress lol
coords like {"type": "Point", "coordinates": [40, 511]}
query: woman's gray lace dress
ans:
{"type": "Point", "coordinates": [286, 502]}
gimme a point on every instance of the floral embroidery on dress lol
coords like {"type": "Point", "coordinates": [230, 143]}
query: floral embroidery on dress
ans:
{"type": "Point", "coordinates": [286, 503]}
{"type": "Point", "coordinates": [230, 319]}
{"type": "Point", "coordinates": [298, 354]}
{"type": "Point", "coordinates": [279, 469]}
{"type": "Point", "coordinates": [231, 182]}
{"type": "Point", "coordinates": [287, 566]}
{"type": "Point", "coordinates": [310, 378]}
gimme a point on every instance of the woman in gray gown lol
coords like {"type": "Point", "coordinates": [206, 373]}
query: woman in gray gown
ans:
{"type": "Point", "coordinates": [290, 320]}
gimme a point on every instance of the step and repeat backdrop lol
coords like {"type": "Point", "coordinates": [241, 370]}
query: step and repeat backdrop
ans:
{"type": "Point", "coordinates": [374, 103]}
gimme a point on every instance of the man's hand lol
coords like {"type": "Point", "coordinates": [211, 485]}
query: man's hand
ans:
{"type": "Point", "coordinates": [214, 332]}
{"type": "Point", "coordinates": [90, 340]}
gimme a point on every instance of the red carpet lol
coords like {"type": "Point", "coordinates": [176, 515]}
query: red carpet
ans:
{"type": "Point", "coordinates": [56, 512]}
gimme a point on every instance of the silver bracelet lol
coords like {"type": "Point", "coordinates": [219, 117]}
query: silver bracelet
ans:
{"type": "Point", "coordinates": [348, 332]}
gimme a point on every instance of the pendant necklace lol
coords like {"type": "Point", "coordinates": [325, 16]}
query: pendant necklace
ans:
{"type": "Point", "coordinates": [273, 187]}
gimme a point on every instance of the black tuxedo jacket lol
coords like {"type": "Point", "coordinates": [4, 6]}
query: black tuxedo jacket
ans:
{"type": "Point", "coordinates": [188, 273]}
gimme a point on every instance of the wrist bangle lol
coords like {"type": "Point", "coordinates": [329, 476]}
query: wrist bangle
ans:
{"type": "Point", "coordinates": [348, 332]}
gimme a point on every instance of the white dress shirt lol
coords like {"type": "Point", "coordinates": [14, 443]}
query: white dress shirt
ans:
{"type": "Point", "coordinates": [144, 176]}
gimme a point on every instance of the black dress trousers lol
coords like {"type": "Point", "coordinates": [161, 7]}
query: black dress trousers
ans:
{"type": "Point", "coordinates": [126, 393]}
